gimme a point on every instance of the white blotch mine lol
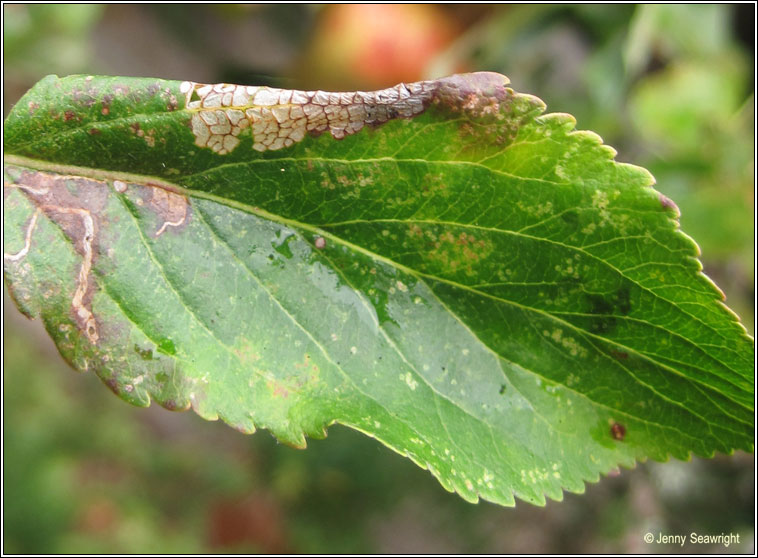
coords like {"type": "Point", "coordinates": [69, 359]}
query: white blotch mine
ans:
{"type": "Point", "coordinates": [281, 117]}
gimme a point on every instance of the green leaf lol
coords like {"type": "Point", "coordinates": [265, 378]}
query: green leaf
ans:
{"type": "Point", "coordinates": [438, 265]}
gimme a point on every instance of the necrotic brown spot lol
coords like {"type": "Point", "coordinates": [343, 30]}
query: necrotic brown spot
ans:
{"type": "Point", "coordinates": [169, 404]}
{"type": "Point", "coordinates": [668, 204]}
{"type": "Point", "coordinates": [618, 431]}
{"type": "Point", "coordinates": [112, 383]}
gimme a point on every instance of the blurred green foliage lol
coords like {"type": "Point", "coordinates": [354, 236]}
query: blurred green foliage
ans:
{"type": "Point", "coordinates": [669, 86]}
{"type": "Point", "coordinates": [44, 38]}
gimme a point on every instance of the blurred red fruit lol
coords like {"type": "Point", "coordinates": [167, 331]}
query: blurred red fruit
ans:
{"type": "Point", "coordinates": [374, 46]}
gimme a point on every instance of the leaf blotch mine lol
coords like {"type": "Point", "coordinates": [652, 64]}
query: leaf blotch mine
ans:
{"type": "Point", "coordinates": [74, 204]}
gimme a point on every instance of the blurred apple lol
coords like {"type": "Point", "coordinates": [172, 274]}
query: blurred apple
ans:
{"type": "Point", "coordinates": [364, 46]}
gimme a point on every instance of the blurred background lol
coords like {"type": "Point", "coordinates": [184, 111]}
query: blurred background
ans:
{"type": "Point", "coordinates": [671, 87]}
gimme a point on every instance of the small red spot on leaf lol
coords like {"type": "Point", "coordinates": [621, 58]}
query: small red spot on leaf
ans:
{"type": "Point", "coordinates": [667, 203]}
{"type": "Point", "coordinates": [618, 431]}
{"type": "Point", "coordinates": [619, 355]}
{"type": "Point", "coordinates": [112, 383]}
{"type": "Point", "coordinates": [169, 404]}
{"type": "Point", "coordinates": [320, 242]}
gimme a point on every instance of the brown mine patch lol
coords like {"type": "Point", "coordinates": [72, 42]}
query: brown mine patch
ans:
{"type": "Point", "coordinates": [478, 94]}
{"type": "Point", "coordinates": [171, 208]}
{"type": "Point", "coordinates": [75, 205]}
{"type": "Point", "coordinates": [68, 115]}
{"type": "Point", "coordinates": [482, 98]}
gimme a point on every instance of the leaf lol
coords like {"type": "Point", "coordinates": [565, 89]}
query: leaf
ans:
{"type": "Point", "coordinates": [438, 265]}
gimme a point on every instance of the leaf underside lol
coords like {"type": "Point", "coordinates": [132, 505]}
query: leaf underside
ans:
{"type": "Point", "coordinates": [439, 265]}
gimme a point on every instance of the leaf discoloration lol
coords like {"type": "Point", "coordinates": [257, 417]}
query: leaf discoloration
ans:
{"type": "Point", "coordinates": [279, 118]}
{"type": "Point", "coordinates": [172, 209]}
{"type": "Point", "coordinates": [73, 203]}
